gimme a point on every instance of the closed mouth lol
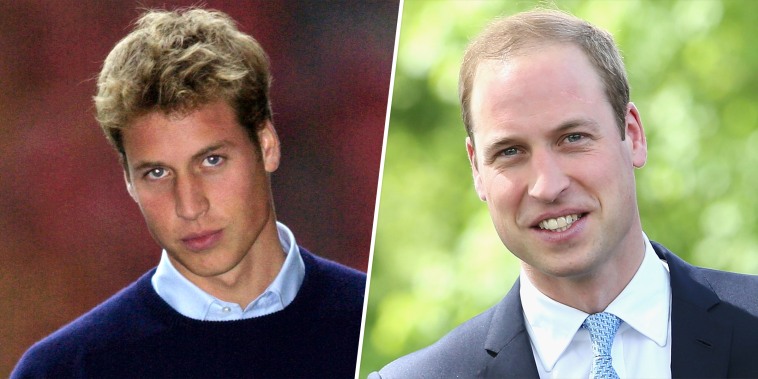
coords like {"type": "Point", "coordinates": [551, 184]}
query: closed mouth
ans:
{"type": "Point", "coordinates": [202, 240]}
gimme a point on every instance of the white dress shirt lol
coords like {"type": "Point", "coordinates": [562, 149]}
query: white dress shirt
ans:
{"type": "Point", "coordinates": [189, 300]}
{"type": "Point", "coordinates": [642, 346]}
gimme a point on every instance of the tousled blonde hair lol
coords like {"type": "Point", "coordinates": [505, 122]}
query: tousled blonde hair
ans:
{"type": "Point", "coordinates": [177, 61]}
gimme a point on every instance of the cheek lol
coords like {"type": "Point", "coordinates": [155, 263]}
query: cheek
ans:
{"type": "Point", "coordinates": [503, 193]}
{"type": "Point", "coordinates": [248, 189]}
{"type": "Point", "coordinates": [250, 181]}
{"type": "Point", "coordinates": [153, 209]}
{"type": "Point", "coordinates": [610, 178]}
{"type": "Point", "coordinates": [502, 185]}
{"type": "Point", "coordinates": [604, 171]}
{"type": "Point", "coordinates": [157, 212]}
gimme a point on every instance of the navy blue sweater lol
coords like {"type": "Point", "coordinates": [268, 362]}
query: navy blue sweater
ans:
{"type": "Point", "coordinates": [136, 334]}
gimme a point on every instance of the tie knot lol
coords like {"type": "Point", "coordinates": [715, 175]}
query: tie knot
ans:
{"type": "Point", "coordinates": [602, 328]}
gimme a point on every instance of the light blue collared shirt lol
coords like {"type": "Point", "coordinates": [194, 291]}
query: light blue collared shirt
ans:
{"type": "Point", "coordinates": [189, 300]}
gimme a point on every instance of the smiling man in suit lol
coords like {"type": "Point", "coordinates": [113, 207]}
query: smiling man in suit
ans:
{"type": "Point", "coordinates": [553, 142]}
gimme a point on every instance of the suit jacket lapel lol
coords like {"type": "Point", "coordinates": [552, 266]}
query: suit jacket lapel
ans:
{"type": "Point", "coordinates": [700, 341]}
{"type": "Point", "coordinates": [507, 341]}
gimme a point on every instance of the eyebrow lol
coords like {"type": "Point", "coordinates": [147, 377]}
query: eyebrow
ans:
{"type": "Point", "coordinates": [141, 165]}
{"type": "Point", "coordinates": [577, 122]}
{"type": "Point", "coordinates": [505, 141]}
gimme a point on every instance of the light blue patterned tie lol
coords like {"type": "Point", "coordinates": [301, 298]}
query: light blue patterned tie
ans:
{"type": "Point", "coordinates": [602, 328]}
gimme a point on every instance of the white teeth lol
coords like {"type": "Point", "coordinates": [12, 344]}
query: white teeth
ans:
{"type": "Point", "coordinates": [559, 224]}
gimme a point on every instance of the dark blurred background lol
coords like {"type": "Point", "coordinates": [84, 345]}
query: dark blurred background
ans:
{"type": "Point", "coordinates": [69, 234]}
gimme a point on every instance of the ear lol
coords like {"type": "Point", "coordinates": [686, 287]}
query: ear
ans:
{"type": "Point", "coordinates": [635, 136]}
{"type": "Point", "coordinates": [270, 151]}
{"type": "Point", "coordinates": [475, 169]}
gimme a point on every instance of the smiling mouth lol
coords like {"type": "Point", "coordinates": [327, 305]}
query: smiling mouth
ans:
{"type": "Point", "coordinates": [559, 224]}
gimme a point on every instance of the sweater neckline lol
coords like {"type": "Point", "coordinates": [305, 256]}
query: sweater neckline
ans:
{"type": "Point", "coordinates": [159, 309]}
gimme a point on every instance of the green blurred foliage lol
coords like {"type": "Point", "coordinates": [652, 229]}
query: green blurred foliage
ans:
{"type": "Point", "coordinates": [692, 68]}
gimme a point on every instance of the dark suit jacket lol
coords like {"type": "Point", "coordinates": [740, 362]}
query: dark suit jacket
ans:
{"type": "Point", "coordinates": [714, 330]}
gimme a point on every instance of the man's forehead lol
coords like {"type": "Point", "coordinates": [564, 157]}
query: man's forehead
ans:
{"type": "Point", "coordinates": [489, 76]}
{"type": "Point", "coordinates": [177, 130]}
{"type": "Point", "coordinates": [550, 76]}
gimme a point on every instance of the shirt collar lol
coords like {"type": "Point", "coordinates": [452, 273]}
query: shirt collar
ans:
{"type": "Point", "coordinates": [191, 301]}
{"type": "Point", "coordinates": [647, 297]}
{"type": "Point", "coordinates": [552, 325]}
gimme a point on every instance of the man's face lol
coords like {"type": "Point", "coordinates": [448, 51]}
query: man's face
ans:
{"type": "Point", "coordinates": [548, 159]}
{"type": "Point", "coordinates": [202, 186]}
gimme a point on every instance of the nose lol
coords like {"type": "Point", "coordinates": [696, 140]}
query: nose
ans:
{"type": "Point", "coordinates": [549, 179]}
{"type": "Point", "coordinates": [189, 197]}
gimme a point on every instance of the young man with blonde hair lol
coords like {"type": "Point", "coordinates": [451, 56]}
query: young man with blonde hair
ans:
{"type": "Point", "coordinates": [553, 142]}
{"type": "Point", "coordinates": [184, 99]}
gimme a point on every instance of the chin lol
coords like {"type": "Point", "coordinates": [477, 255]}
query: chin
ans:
{"type": "Point", "coordinates": [209, 272]}
{"type": "Point", "coordinates": [204, 264]}
{"type": "Point", "coordinates": [576, 271]}
{"type": "Point", "coordinates": [575, 266]}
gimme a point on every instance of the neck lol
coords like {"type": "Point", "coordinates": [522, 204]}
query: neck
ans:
{"type": "Point", "coordinates": [592, 291]}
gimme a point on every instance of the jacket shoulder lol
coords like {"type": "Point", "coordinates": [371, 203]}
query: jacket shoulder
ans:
{"type": "Point", "coordinates": [460, 353]}
{"type": "Point", "coordinates": [733, 289]}
{"type": "Point", "coordinates": [738, 290]}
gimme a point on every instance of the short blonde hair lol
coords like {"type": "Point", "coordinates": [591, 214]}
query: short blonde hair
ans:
{"type": "Point", "coordinates": [177, 61]}
{"type": "Point", "coordinates": [508, 36]}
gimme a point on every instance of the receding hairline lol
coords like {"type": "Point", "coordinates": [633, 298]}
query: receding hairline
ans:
{"type": "Point", "coordinates": [500, 62]}
{"type": "Point", "coordinates": [508, 36]}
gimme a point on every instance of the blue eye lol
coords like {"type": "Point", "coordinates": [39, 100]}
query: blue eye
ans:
{"type": "Point", "coordinates": [509, 151]}
{"type": "Point", "coordinates": [213, 160]}
{"type": "Point", "coordinates": [573, 137]}
{"type": "Point", "coordinates": [156, 173]}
